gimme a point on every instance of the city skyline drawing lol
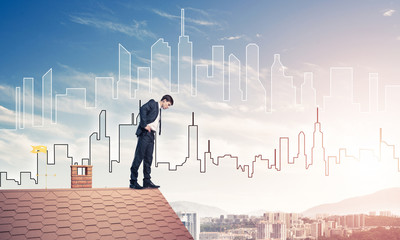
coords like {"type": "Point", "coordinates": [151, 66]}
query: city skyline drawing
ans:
{"type": "Point", "coordinates": [240, 114]}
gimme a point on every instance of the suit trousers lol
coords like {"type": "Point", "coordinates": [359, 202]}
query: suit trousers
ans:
{"type": "Point", "coordinates": [144, 152]}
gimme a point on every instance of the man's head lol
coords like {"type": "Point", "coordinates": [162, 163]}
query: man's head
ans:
{"type": "Point", "coordinates": [166, 101]}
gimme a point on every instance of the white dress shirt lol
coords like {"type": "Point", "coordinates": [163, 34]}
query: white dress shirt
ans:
{"type": "Point", "coordinates": [154, 125]}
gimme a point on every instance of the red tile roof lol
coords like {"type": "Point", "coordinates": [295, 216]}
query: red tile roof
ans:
{"type": "Point", "coordinates": [95, 213]}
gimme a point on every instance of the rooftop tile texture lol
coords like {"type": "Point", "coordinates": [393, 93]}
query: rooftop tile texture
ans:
{"type": "Point", "coordinates": [91, 213]}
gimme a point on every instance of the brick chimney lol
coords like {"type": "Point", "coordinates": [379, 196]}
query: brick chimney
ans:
{"type": "Point", "coordinates": [81, 176]}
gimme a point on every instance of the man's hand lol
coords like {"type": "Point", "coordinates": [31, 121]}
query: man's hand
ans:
{"type": "Point", "coordinates": [148, 128]}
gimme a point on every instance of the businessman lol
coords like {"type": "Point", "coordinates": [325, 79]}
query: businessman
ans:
{"type": "Point", "coordinates": [150, 123]}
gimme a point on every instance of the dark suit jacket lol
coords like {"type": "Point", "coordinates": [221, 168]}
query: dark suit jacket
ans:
{"type": "Point", "coordinates": [148, 114]}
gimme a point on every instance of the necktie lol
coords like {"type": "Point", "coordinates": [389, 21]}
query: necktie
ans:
{"type": "Point", "coordinates": [159, 133]}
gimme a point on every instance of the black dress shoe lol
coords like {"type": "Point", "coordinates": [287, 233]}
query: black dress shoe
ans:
{"type": "Point", "coordinates": [150, 184]}
{"type": "Point", "coordinates": [135, 185]}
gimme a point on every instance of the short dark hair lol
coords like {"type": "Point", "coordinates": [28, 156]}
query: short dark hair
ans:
{"type": "Point", "coordinates": [168, 98]}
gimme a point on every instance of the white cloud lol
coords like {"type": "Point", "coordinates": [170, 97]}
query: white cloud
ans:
{"type": "Point", "coordinates": [232, 38]}
{"type": "Point", "coordinates": [137, 29]}
{"type": "Point", "coordinates": [218, 105]}
{"type": "Point", "coordinates": [141, 59]}
{"type": "Point", "coordinates": [312, 65]}
{"type": "Point", "coordinates": [201, 11]}
{"type": "Point", "coordinates": [258, 80]}
{"type": "Point", "coordinates": [7, 116]}
{"type": "Point", "coordinates": [195, 21]}
{"type": "Point", "coordinates": [164, 14]}
{"type": "Point", "coordinates": [258, 35]}
{"type": "Point", "coordinates": [201, 22]}
{"type": "Point", "coordinates": [389, 13]}
{"type": "Point", "coordinates": [75, 78]}
{"type": "Point", "coordinates": [15, 148]}
{"type": "Point", "coordinates": [7, 93]}
{"type": "Point", "coordinates": [7, 98]}
{"type": "Point", "coordinates": [15, 145]}
{"type": "Point", "coordinates": [161, 58]}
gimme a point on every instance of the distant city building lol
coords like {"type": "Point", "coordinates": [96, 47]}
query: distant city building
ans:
{"type": "Point", "coordinates": [229, 235]}
{"type": "Point", "coordinates": [236, 218]}
{"type": "Point", "coordinates": [278, 231]}
{"type": "Point", "coordinates": [291, 219]}
{"type": "Point", "coordinates": [297, 233]}
{"type": "Point", "coordinates": [336, 232]}
{"type": "Point", "coordinates": [322, 216]}
{"type": "Point", "coordinates": [372, 213]}
{"type": "Point", "coordinates": [353, 221]}
{"type": "Point", "coordinates": [206, 220]}
{"type": "Point", "coordinates": [277, 217]}
{"type": "Point", "coordinates": [191, 222]}
{"type": "Point", "coordinates": [287, 226]}
{"type": "Point", "coordinates": [350, 221]}
{"type": "Point", "coordinates": [262, 230]}
{"type": "Point", "coordinates": [385, 213]}
{"type": "Point", "coordinates": [316, 230]}
{"type": "Point", "coordinates": [210, 235]}
{"type": "Point", "coordinates": [272, 231]}
{"type": "Point", "coordinates": [359, 220]}
{"type": "Point", "coordinates": [280, 225]}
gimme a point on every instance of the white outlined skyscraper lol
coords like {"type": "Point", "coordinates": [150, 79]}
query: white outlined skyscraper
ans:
{"type": "Point", "coordinates": [215, 79]}
{"type": "Point", "coordinates": [47, 97]}
{"type": "Point", "coordinates": [283, 93]}
{"type": "Point", "coordinates": [252, 69]}
{"type": "Point", "coordinates": [232, 84]}
{"type": "Point", "coordinates": [18, 117]}
{"type": "Point", "coordinates": [124, 73]}
{"type": "Point", "coordinates": [392, 95]}
{"type": "Point", "coordinates": [341, 90]}
{"type": "Point", "coordinates": [342, 84]}
{"type": "Point", "coordinates": [28, 102]}
{"type": "Point", "coordinates": [373, 92]}
{"type": "Point", "coordinates": [161, 63]}
{"type": "Point", "coordinates": [185, 59]}
{"type": "Point", "coordinates": [308, 92]}
{"type": "Point", "coordinates": [218, 65]}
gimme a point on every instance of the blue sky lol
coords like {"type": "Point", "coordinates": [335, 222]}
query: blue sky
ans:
{"type": "Point", "coordinates": [34, 31]}
{"type": "Point", "coordinates": [85, 35]}
{"type": "Point", "coordinates": [79, 41]}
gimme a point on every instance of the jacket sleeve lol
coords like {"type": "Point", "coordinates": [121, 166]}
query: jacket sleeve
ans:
{"type": "Point", "coordinates": [144, 114]}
